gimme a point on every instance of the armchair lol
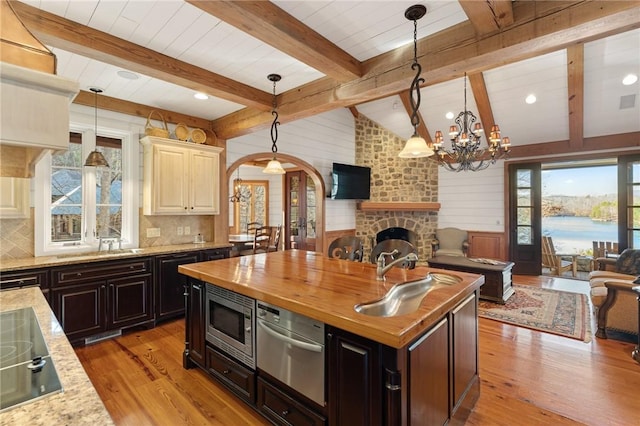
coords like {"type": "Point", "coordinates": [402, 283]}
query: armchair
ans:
{"type": "Point", "coordinates": [612, 295]}
{"type": "Point", "coordinates": [450, 242]}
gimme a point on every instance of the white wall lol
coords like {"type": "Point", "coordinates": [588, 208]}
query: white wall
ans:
{"type": "Point", "coordinates": [472, 200]}
{"type": "Point", "coordinates": [320, 141]}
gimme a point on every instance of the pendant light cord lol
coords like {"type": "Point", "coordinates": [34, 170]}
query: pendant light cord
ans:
{"type": "Point", "coordinates": [414, 91]}
{"type": "Point", "coordinates": [274, 112]}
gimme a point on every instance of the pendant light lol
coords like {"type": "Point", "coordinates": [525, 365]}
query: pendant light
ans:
{"type": "Point", "coordinates": [95, 158]}
{"type": "Point", "coordinates": [274, 167]}
{"type": "Point", "coordinates": [416, 146]}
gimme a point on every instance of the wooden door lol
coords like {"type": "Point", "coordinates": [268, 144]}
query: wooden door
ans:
{"type": "Point", "coordinates": [628, 204]}
{"type": "Point", "coordinates": [525, 218]}
{"type": "Point", "coordinates": [300, 210]}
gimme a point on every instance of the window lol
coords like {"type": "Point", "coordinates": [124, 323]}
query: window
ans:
{"type": "Point", "coordinates": [76, 205]}
{"type": "Point", "coordinates": [253, 205]}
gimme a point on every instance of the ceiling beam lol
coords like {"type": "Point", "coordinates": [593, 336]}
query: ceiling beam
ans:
{"type": "Point", "coordinates": [64, 34]}
{"type": "Point", "coordinates": [485, 113]}
{"type": "Point", "coordinates": [575, 76]}
{"type": "Point", "coordinates": [272, 25]}
{"type": "Point", "coordinates": [131, 108]}
{"type": "Point", "coordinates": [488, 16]}
{"type": "Point", "coordinates": [447, 55]}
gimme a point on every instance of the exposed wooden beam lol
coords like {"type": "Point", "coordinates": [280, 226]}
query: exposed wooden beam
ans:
{"type": "Point", "coordinates": [575, 75]}
{"type": "Point", "coordinates": [64, 34]}
{"type": "Point", "coordinates": [272, 25]}
{"type": "Point", "coordinates": [140, 110]}
{"type": "Point", "coordinates": [488, 16]}
{"type": "Point", "coordinates": [479, 89]}
{"type": "Point", "coordinates": [423, 132]}
{"type": "Point", "coordinates": [622, 141]}
{"type": "Point", "coordinates": [354, 111]}
{"type": "Point", "coordinates": [447, 55]}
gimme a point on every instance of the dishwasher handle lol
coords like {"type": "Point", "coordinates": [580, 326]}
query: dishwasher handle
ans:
{"type": "Point", "coordinates": [302, 345]}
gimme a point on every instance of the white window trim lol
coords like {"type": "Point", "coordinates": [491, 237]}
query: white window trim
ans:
{"type": "Point", "coordinates": [130, 192]}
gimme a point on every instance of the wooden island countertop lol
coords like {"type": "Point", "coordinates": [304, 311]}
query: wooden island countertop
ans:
{"type": "Point", "coordinates": [327, 290]}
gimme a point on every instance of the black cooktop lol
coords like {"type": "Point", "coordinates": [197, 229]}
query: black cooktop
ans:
{"type": "Point", "coordinates": [27, 372]}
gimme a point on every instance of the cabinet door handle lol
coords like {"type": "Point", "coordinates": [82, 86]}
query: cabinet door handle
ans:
{"type": "Point", "coordinates": [197, 286]}
{"type": "Point", "coordinates": [285, 413]}
{"type": "Point", "coordinates": [226, 371]}
{"type": "Point", "coordinates": [185, 207]}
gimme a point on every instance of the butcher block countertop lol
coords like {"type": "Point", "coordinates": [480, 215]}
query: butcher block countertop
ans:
{"type": "Point", "coordinates": [78, 403]}
{"type": "Point", "coordinates": [327, 290]}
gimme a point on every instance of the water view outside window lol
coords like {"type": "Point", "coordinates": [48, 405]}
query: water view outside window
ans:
{"type": "Point", "coordinates": [579, 206]}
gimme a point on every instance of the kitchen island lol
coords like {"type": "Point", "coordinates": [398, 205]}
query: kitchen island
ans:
{"type": "Point", "coordinates": [416, 368]}
{"type": "Point", "coordinates": [78, 403]}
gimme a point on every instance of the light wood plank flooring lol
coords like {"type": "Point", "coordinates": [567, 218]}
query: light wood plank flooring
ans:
{"type": "Point", "coordinates": [527, 378]}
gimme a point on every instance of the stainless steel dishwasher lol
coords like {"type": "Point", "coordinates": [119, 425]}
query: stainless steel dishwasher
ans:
{"type": "Point", "coordinates": [291, 349]}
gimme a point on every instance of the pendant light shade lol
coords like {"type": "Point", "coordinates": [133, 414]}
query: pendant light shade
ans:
{"type": "Point", "coordinates": [274, 167]}
{"type": "Point", "coordinates": [96, 158]}
{"type": "Point", "coordinates": [416, 146]}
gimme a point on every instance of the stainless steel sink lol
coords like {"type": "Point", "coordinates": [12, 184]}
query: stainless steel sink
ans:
{"type": "Point", "coordinates": [405, 297]}
{"type": "Point", "coordinates": [100, 253]}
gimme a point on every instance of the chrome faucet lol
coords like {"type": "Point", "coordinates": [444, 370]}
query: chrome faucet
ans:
{"type": "Point", "coordinates": [99, 243]}
{"type": "Point", "coordinates": [382, 269]}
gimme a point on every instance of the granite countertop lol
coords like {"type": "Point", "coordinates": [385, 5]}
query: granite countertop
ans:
{"type": "Point", "coordinates": [70, 259]}
{"type": "Point", "coordinates": [79, 402]}
{"type": "Point", "coordinates": [327, 290]}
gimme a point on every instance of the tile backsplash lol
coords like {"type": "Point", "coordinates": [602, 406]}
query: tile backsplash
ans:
{"type": "Point", "coordinates": [17, 235]}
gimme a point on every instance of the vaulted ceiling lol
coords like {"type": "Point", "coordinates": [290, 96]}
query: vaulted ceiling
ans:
{"type": "Point", "coordinates": [571, 55]}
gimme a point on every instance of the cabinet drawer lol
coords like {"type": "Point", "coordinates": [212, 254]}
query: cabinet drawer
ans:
{"type": "Point", "coordinates": [24, 279]}
{"type": "Point", "coordinates": [82, 272]}
{"type": "Point", "coordinates": [283, 409]}
{"type": "Point", "coordinates": [241, 380]}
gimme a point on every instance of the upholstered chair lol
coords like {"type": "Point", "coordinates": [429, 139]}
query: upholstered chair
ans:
{"type": "Point", "coordinates": [614, 301]}
{"type": "Point", "coordinates": [450, 242]}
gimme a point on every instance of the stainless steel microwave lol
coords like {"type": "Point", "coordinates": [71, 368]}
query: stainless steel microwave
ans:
{"type": "Point", "coordinates": [231, 324]}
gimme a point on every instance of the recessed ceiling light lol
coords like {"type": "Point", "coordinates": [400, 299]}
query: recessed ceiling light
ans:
{"type": "Point", "coordinates": [201, 96]}
{"type": "Point", "coordinates": [449, 115]}
{"type": "Point", "coordinates": [629, 79]}
{"type": "Point", "coordinates": [128, 75]}
{"type": "Point", "coordinates": [531, 99]}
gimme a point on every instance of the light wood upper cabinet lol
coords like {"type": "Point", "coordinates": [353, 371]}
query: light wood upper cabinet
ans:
{"type": "Point", "coordinates": [180, 178]}
{"type": "Point", "coordinates": [14, 198]}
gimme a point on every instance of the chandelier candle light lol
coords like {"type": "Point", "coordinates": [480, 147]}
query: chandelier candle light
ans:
{"type": "Point", "coordinates": [416, 146]}
{"type": "Point", "coordinates": [274, 167]}
{"type": "Point", "coordinates": [95, 158]}
{"type": "Point", "coordinates": [466, 153]}
{"type": "Point", "coordinates": [237, 195]}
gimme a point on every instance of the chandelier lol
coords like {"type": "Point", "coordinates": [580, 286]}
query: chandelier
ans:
{"type": "Point", "coordinates": [238, 196]}
{"type": "Point", "coordinates": [416, 146]}
{"type": "Point", "coordinates": [274, 167]}
{"type": "Point", "coordinates": [466, 154]}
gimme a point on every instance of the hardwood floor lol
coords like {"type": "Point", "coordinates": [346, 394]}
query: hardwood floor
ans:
{"type": "Point", "coordinates": [527, 378]}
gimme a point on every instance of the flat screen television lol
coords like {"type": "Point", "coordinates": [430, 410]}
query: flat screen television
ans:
{"type": "Point", "coordinates": [350, 182]}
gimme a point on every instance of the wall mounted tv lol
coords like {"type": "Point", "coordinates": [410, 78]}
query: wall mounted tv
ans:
{"type": "Point", "coordinates": [350, 182]}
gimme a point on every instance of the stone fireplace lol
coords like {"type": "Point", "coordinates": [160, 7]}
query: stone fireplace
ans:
{"type": "Point", "coordinates": [396, 181]}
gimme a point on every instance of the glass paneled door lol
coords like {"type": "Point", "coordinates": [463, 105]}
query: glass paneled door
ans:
{"type": "Point", "coordinates": [525, 219]}
{"type": "Point", "coordinates": [300, 211]}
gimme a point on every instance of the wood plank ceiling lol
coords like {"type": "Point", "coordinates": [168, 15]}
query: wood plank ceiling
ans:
{"type": "Point", "coordinates": [354, 54]}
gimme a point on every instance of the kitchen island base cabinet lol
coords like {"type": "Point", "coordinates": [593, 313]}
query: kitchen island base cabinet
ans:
{"type": "Point", "coordinates": [195, 300]}
{"type": "Point", "coordinates": [171, 285]}
{"type": "Point", "coordinates": [283, 409]}
{"type": "Point", "coordinates": [433, 381]}
{"type": "Point", "coordinates": [232, 374]}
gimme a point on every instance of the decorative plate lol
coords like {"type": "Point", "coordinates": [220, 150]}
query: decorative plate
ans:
{"type": "Point", "coordinates": [182, 132]}
{"type": "Point", "coordinates": [198, 136]}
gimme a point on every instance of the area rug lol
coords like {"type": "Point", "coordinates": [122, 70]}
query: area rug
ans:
{"type": "Point", "coordinates": [551, 311]}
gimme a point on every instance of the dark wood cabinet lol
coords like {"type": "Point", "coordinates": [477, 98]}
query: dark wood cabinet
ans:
{"type": "Point", "coordinates": [432, 381]}
{"type": "Point", "coordinates": [283, 409]}
{"type": "Point", "coordinates": [171, 285]}
{"type": "Point", "coordinates": [354, 379]}
{"type": "Point", "coordinates": [93, 298]}
{"type": "Point", "coordinates": [26, 278]}
{"type": "Point", "coordinates": [195, 324]}
{"type": "Point", "coordinates": [232, 374]}
{"type": "Point", "coordinates": [214, 254]}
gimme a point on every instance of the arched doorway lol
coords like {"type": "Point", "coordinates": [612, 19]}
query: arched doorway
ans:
{"type": "Point", "coordinates": [304, 166]}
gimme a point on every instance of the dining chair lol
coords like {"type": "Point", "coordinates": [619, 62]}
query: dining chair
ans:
{"type": "Point", "coordinates": [252, 226]}
{"type": "Point", "coordinates": [275, 238]}
{"type": "Point", "coordinates": [347, 247]}
{"type": "Point", "coordinates": [262, 240]}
